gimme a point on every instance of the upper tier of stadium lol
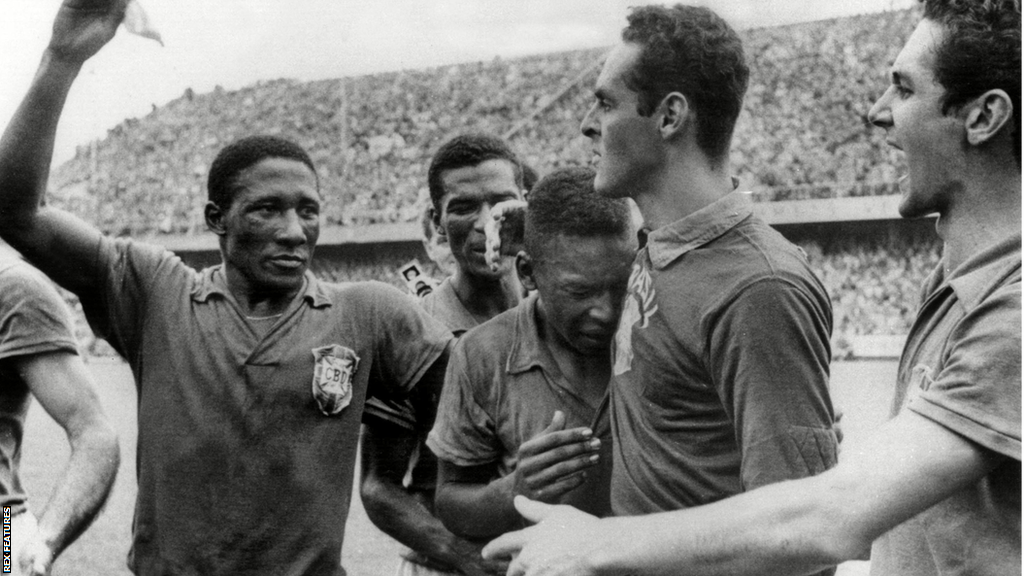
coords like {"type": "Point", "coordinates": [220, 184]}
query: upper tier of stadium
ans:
{"type": "Point", "coordinates": [802, 134]}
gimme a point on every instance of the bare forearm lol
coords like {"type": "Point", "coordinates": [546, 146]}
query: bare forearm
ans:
{"type": "Point", "coordinates": [83, 487]}
{"type": "Point", "coordinates": [401, 515]}
{"type": "Point", "coordinates": [478, 510]}
{"type": "Point", "coordinates": [780, 531]}
{"type": "Point", "coordinates": [27, 145]}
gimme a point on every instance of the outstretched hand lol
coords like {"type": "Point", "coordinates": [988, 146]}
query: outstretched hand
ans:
{"type": "Point", "coordinates": [554, 462]}
{"type": "Point", "coordinates": [563, 541]}
{"type": "Point", "coordinates": [82, 27]}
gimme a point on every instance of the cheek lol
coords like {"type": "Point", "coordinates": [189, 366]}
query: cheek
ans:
{"type": "Point", "coordinates": [458, 229]}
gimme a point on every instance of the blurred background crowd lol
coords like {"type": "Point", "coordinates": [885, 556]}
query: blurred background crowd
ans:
{"type": "Point", "coordinates": [803, 134]}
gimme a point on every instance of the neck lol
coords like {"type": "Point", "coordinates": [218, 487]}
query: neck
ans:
{"type": "Point", "coordinates": [988, 211]}
{"type": "Point", "coordinates": [689, 184]}
{"type": "Point", "coordinates": [486, 297]}
{"type": "Point", "coordinates": [259, 302]}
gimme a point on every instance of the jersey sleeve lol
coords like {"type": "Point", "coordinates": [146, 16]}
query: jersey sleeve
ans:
{"type": "Point", "coordinates": [769, 356]}
{"type": "Point", "coordinates": [408, 342]}
{"type": "Point", "coordinates": [116, 310]}
{"type": "Point", "coordinates": [33, 317]}
{"type": "Point", "coordinates": [391, 412]}
{"type": "Point", "coordinates": [464, 433]}
{"type": "Point", "coordinates": [976, 392]}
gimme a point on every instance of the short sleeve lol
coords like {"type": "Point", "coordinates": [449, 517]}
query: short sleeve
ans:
{"type": "Point", "coordinates": [976, 393]}
{"type": "Point", "coordinates": [115, 311]}
{"type": "Point", "coordinates": [464, 433]}
{"type": "Point", "coordinates": [769, 358]}
{"type": "Point", "coordinates": [408, 342]}
{"type": "Point", "coordinates": [33, 317]}
{"type": "Point", "coordinates": [391, 412]}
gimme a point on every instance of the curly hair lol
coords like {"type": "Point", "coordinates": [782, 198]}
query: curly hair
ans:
{"type": "Point", "coordinates": [980, 51]}
{"type": "Point", "coordinates": [693, 51]}
{"type": "Point", "coordinates": [466, 150]}
{"type": "Point", "coordinates": [244, 153]}
{"type": "Point", "coordinates": [564, 203]}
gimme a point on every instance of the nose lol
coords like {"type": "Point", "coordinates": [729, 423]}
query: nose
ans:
{"type": "Point", "coordinates": [588, 126]}
{"type": "Point", "coordinates": [482, 217]}
{"type": "Point", "coordinates": [292, 231]}
{"type": "Point", "coordinates": [880, 115]}
{"type": "Point", "coordinates": [606, 308]}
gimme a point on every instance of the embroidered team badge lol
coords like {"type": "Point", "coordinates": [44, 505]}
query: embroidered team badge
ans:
{"type": "Point", "coordinates": [637, 309]}
{"type": "Point", "coordinates": [334, 368]}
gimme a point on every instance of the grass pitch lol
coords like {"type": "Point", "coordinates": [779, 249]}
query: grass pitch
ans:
{"type": "Point", "coordinates": [861, 389]}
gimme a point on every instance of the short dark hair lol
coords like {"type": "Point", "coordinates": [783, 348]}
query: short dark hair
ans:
{"type": "Point", "coordinates": [564, 203]}
{"type": "Point", "coordinates": [244, 153]}
{"type": "Point", "coordinates": [466, 150]}
{"type": "Point", "coordinates": [693, 51]}
{"type": "Point", "coordinates": [980, 51]}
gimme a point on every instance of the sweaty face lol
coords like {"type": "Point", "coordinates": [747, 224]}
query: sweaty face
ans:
{"type": "Point", "coordinates": [626, 144]}
{"type": "Point", "coordinates": [470, 193]}
{"type": "Point", "coordinates": [582, 282]}
{"type": "Point", "coordinates": [272, 225]}
{"type": "Point", "coordinates": [911, 113]}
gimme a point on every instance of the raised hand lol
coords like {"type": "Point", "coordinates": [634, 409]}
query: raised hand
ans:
{"type": "Point", "coordinates": [554, 462]}
{"type": "Point", "coordinates": [82, 27]}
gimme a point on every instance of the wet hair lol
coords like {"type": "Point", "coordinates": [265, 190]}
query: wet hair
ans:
{"type": "Point", "coordinates": [564, 203]}
{"type": "Point", "coordinates": [244, 153]}
{"type": "Point", "coordinates": [467, 150]}
{"type": "Point", "coordinates": [693, 51]}
{"type": "Point", "coordinates": [979, 51]}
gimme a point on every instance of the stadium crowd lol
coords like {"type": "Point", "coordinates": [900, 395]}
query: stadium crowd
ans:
{"type": "Point", "coordinates": [371, 136]}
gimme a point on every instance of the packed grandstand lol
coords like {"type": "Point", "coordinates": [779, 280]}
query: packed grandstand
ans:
{"type": "Point", "coordinates": [802, 134]}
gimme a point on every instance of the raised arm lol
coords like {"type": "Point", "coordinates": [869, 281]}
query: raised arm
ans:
{"type": "Point", "coordinates": [62, 385]}
{"type": "Point", "coordinates": [61, 245]}
{"type": "Point", "coordinates": [794, 527]}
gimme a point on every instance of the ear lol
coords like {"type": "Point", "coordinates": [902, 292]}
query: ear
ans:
{"type": "Point", "coordinates": [215, 219]}
{"type": "Point", "coordinates": [525, 269]}
{"type": "Point", "coordinates": [987, 116]}
{"type": "Point", "coordinates": [675, 111]}
{"type": "Point", "coordinates": [435, 217]}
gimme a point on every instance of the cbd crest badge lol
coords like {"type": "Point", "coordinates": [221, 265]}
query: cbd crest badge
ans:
{"type": "Point", "coordinates": [334, 367]}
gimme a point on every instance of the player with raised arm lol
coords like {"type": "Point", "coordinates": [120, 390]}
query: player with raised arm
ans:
{"type": "Point", "coordinates": [937, 489]}
{"type": "Point", "coordinates": [468, 176]}
{"type": "Point", "coordinates": [252, 374]}
{"type": "Point", "coordinates": [39, 359]}
{"type": "Point", "coordinates": [525, 404]}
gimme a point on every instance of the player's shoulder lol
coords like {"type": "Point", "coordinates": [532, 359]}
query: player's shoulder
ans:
{"type": "Point", "coordinates": [369, 294]}
{"type": "Point", "coordinates": [22, 280]}
{"type": "Point", "coordinates": [490, 342]}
